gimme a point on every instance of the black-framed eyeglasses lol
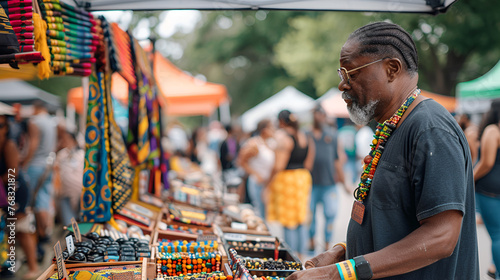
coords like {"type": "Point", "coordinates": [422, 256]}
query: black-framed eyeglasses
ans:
{"type": "Point", "coordinates": [344, 73]}
{"type": "Point", "coordinates": [2, 125]}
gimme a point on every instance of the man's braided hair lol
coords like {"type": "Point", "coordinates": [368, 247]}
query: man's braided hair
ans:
{"type": "Point", "coordinates": [383, 39]}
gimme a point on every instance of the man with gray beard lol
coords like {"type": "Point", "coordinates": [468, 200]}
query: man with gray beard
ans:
{"type": "Point", "coordinates": [414, 214]}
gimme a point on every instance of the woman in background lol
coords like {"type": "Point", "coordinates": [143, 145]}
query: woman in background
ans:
{"type": "Point", "coordinates": [257, 159]}
{"type": "Point", "coordinates": [291, 183]}
{"type": "Point", "coordinates": [486, 174]}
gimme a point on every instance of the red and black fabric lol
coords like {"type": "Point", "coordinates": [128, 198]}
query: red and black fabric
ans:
{"type": "Point", "coordinates": [8, 39]}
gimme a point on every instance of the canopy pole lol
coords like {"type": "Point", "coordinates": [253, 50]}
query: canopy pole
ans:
{"type": "Point", "coordinates": [225, 114]}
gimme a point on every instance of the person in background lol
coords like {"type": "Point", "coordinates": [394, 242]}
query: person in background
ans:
{"type": "Point", "coordinates": [256, 157]}
{"type": "Point", "coordinates": [42, 136]}
{"type": "Point", "coordinates": [229, 149]}
{"type": "Point", "coordinates": [471, 132]}
{"type": "Point", "coordinates": [201, 153]}
{"type": "Point", "coordinates": [289, 191]}
{"type": "Point", "coordinates": [9, 169]}
{"type": "Point", "coordinates": [178, 138]}
{"type": "Point", "coordinates": [364, 137]}
{"type": "Point", "coordinates": [347, 147]}
{"type": "Point", "coordinates": [327, 170]}
{"type": "Point", "coordinates": [486, 174]}
{"type": "Point", "coordinates": [69, 168]}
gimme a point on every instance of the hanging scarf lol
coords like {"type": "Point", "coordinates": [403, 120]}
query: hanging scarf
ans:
{"type": "Point", "coordinates": [121, 172]}
{"type": "Point", "coordinates": [96, 193]}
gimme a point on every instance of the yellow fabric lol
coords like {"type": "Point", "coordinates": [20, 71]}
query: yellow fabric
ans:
{"type": "Point", "coordinates": [41, 46]}
{"type": "Point", "coordinates": [289, 195]}
{"type": "Point", "coordinates": [25, 72]}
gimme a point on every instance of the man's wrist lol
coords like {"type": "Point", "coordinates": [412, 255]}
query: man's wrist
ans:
{"type": "Point", "coordinates": [341, 244]}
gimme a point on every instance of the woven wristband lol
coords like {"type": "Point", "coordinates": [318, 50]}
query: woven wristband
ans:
{"type": "Point", "coordinates": [343, 244]}
{"type": "Point", "coordinates": [346, 270]}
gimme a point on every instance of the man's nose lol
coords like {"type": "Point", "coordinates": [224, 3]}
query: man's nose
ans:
{"type": "Point", "coordinates": [344, 86]}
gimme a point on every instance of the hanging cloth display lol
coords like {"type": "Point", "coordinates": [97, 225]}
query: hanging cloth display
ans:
{"type": "Point", "coordinates": [96, 193]}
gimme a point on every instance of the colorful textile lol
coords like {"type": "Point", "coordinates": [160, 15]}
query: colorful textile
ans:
{"type": "Point", "coordinates": [122, 173]}
{"type": "Point", "coordinates": [289, 195]}
{"type": "Point", "coordinates": [124, 58]}
{"type": "Point", "coordinates": [86, 275]}
{"type": "Point", "coordinates": [108, 272]}
{"type": "Point", "coordinates": [96, 193]}
{"type": "Point", "coordinates": [41, 46]}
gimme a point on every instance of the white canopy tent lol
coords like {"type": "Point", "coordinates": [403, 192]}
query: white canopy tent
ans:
{"type": "Point", "coordinates": [333, 104]}
{"type": "Point", "coordinates": [288, 98]}
{"type": "Point", "coordinates": [399, 6]}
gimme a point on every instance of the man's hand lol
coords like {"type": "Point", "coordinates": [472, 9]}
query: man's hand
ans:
{"type": "Point", "coordinates": [329, 272]}
{"type": "Point", "coordinates": [332, 256]}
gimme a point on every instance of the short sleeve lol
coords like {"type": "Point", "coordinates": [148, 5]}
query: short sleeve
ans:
{"type": "Point", "coordinates": [438, 173]}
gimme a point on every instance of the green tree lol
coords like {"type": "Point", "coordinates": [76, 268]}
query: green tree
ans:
{"type": "Point", "coordinates": [236, 48]}
{"type": "Point", "coordinates": [459, 45]}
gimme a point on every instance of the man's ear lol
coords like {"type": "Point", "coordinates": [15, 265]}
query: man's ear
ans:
{"type": "Point", "coordinates": [394, 67]}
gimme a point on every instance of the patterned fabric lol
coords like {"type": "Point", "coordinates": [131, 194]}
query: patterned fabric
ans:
{"type": "Point", "coordinates": [108, 272]}
{"type": "Point", "coordinates": [87, 275]}
{"type": "Point", "coordinates": [122, 174]}
{"type": "Point", "coordinates": [143, 144]}
{"type": "Point", "coordinates": [96, 193]}
{"type": "Point", "coordinates": [289, 195]}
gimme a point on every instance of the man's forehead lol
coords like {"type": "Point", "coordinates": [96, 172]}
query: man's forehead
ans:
{"type": "Point", "coordinates": [349, 51]}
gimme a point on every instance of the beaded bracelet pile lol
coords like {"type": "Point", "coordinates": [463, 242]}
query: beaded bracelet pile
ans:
{"type": "Point", "coordinates": [381, 136]}
{"type": "Point", "coordinates": [166, 246]}
{"type": "Point", "coordinates": [270, 264]}
{"type": "Point", "coordinates": [177, 264]}
{"type": "Point", "coordinates": [197, 276]}
{"type": "Point", "coordinates": [255, 277]}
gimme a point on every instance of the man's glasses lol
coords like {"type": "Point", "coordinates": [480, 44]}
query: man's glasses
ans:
{"type": "Point", "coordinates": [344, 74]}
{"type": "Point", "coordinates": [2, 125]}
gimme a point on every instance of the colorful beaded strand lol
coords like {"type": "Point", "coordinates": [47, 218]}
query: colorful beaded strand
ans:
{"type": "Point", "coordinates": [382, 134]}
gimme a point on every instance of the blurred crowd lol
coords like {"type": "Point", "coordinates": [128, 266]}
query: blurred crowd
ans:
{"type": "Point", "coordinates": [284, 171]}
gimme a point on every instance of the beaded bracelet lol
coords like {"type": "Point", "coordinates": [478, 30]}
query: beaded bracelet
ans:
{"type": "Point", "coordinates": [346, 270]}
{"type": "Point", "coordinates": [343, 244]}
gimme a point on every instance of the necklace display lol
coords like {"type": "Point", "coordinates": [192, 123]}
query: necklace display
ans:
{"type": "Point", "coordinates": [382, 134]}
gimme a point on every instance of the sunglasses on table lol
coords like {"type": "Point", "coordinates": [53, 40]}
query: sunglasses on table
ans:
{"type": "Point", "coordinates": [344, 73]}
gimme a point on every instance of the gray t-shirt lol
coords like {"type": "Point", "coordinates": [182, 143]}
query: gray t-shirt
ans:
{"type": "Point", "coordinates": [425, 169]}
{"type": "Point", "coordinates": [47, 128]}
{"type": "Point", "coordinates": [326, 154]}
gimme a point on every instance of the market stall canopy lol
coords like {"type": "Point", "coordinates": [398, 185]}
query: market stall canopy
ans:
{"type": "Point", "coordinates": [333, 104]}
{"type": "Point", "coordinates": [413, 6]}
{"type": "Point", "coordinates": [17, 91]}
{"type": "Point", "coordinates": [288, 98]}
{"type": "Point", "coordinates": [475, 96]}
{"type": "Point", "coordinates": [336, 107]}
{"type": "Point", "coordinates": [186, 95]}
{"type": "Point", "coordinates": [448, 102]}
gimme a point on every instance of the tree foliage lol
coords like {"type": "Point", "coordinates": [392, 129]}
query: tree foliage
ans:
{"type": "Point", "coordinates": [459, 45]}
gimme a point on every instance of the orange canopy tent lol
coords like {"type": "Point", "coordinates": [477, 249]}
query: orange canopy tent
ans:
{"type": "Point", "coordinates": [448, 102]}
{"type": "Point", "coordinates": [182, 94]}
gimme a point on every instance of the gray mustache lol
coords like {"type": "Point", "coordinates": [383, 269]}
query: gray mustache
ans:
{"type": "Point", "coordinates": [345, 95]}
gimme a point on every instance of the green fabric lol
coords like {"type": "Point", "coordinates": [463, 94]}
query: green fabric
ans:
{"type": "Point", "coordinates": [484, 87]}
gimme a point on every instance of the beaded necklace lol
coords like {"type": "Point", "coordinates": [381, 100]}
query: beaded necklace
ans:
{"type": "Point", "coordinates": [382, 134]}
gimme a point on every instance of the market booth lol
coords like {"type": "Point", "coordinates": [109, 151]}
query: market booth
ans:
{"type": "Point", "coordinates": [474, 97]}
{"type": "Point", "coordinates": [137, 222]}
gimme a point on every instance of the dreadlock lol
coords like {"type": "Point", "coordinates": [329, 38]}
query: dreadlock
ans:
{"type": "Point", "coordinates": [383, 39]}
